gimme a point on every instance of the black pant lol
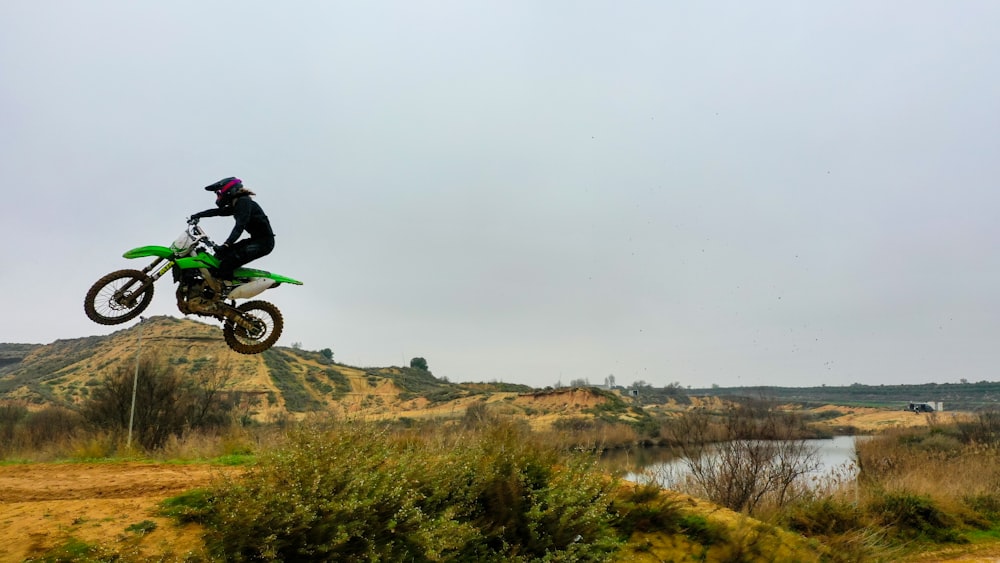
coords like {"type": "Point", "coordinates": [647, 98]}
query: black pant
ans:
{"type": "Point", "coordinates": [242, 252]}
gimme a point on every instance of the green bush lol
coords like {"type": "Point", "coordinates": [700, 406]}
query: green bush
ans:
{"type": "Point", "coordinates": [986, 504]}
{"type": "Point", "coordinates": [824, 517]}
{"type": "Point", "coordinates": [699, 530]}
{"type": "Point", "coordinates": [190, 506]}
{"type": "Point", "coordinates": [355, 493]}
{"type": "Point", "coordinates": [913, 516]}
{"type": "Point", "coordinates": [646, 509]}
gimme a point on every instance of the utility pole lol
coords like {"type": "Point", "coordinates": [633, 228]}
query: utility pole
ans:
{"type": "Point", "coordinates": [135, 384]}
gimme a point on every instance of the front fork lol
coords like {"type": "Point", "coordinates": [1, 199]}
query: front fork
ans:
{"type": "Point", "coordinates": [149, 280]}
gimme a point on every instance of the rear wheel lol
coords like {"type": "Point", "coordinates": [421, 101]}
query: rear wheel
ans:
{"type": "Point", "coordinates": [118, 297]}
{"type": "Point", "coordinates": [260, 329]}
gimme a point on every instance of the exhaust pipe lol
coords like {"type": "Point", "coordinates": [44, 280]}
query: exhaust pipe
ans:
{"type": "Point", "coordinates": [252, 288]}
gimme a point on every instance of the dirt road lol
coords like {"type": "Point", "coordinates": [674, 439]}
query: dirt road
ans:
{"type": "Point", "coordinates": [44, 505]}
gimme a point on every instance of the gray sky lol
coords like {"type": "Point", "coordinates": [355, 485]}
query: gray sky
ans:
{"type": "Point", "coordinates": [740, 193]}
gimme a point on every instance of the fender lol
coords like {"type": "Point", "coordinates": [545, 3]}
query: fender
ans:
{"type": "Point", "coordinates": [206, 260]}
{"type": "Point", "coordinates": [202, 260]}
{"type": "Point", "coordinates": [252, 273]}
{"type": "Point", "coordinates": [144, 251]}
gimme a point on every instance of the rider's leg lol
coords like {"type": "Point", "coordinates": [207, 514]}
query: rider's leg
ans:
{"type": "Point", "coordinates": [243, 252]}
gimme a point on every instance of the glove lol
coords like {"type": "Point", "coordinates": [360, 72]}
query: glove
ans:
{"type": "Point", "coordinates": [193, 220]}
{"type": "Point", "coordinates": [221, 247]}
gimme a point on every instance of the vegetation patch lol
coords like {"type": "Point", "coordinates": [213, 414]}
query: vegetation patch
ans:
{"type": "Point", "coordinates": [914, 516]}
{"type": "Point", "coordinates": [293, 390]}
{"type": "Point", "coordinates": [357, 494]}
{"type": "Point", "coordinates": [417, 382]}
{"type": "Point", "coordinates": [341, 384]}
{"type": "Point", "coordinates": [144, 527]}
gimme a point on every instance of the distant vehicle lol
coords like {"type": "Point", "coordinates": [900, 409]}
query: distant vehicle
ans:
{"type": "Point", "coordinates": [923, 407]}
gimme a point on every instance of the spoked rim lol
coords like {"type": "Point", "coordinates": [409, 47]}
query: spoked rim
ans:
{"type": "Point", "coordinates": [266, 325]}
{"type": "Point", "coordinates": [263, 326]}
{"type": "Point", "coordinates": [117, 297]}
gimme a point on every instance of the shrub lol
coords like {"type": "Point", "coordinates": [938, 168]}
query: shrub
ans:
{"type": "Point", "coordinates": [824, 517]}
{"type": "Point", "coordinates": [23, 431]}
{"type": "Point", "coordinates": [646, 509]}
{"type": "Point", "coordinates": [166, 403]}
{"type": "Point", "coordinates": [189, 506]}
{"type": "Point", "coordinates": [700, 530]}
{"type": "Point", "coordinates": [986, 505]}
{"type": "Point", "coordinates": [915, 516]}
{"type": "Point", "coordinates": [354, 493]}
{"type": "Point", "coordinates": [730, 465]}
{"type": "Point", "coordinates": [984, 428]}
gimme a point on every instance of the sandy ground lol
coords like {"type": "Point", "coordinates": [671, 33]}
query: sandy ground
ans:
{"type": "Point", "coordinates": [44, 505]}
{"type": "Point", "coordinates": [870, 419]}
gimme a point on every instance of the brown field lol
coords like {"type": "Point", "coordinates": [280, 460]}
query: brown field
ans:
{"type": "Point", "coordinates": [871, 419]}
{"type": "Point", "coordinates": [43, 505]}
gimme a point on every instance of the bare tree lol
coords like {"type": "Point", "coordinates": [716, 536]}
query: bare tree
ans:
{"type": "Point", "coordinates": [743, 456]}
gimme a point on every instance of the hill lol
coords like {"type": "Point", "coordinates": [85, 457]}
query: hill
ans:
{"type": "Point", "coordinates": [279, 383]}
{"type": "Point", "coordinates": [14, 353]}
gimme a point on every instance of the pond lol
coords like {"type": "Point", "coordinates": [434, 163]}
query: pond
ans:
{"type": "Point", "coordinates": [834, 456]}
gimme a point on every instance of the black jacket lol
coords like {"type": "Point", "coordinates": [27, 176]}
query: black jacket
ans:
{"type": "Point", "coordinates": [249, 217]}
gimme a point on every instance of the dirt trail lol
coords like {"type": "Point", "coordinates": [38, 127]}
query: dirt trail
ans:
{"type": "Point", "coordinates": [43, 505]}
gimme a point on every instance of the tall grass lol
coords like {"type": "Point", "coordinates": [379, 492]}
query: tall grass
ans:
{"type": "Point", "coordinates": [915, 486]}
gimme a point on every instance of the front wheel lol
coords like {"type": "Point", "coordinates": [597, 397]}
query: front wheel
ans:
{"type": "Point", "coordinates": [257, 329]}
{"type": "Point", "coordinates": [118, 297]}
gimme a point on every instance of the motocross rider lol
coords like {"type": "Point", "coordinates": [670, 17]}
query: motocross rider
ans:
{"type": "Point", "coordinates": [231, 198]}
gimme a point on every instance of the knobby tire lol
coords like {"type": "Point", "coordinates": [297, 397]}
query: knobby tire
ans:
{"type": "Point", "coordinates": [101, 305]}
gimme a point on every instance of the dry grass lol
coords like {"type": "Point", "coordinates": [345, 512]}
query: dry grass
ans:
{"type": "Point", "coordinates": [934, 463]}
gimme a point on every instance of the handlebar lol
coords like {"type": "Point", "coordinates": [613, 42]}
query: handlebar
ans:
{"type": "Point", "coordinates": [199, 235]}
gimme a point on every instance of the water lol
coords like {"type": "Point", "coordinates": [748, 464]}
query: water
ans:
{"type": "Point", "coordinates": [835, 457]}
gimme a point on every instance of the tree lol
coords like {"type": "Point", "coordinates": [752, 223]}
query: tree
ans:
{"type": "Point", "coordinates": [166, 403]}
{"type": "Point", "coordinates": [327, 353]}
{"type": "Point", "coordinates": [418, 363]}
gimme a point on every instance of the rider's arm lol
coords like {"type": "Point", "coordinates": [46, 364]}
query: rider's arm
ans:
{"type": "Point", "coordinates": [217, 212]}
{"type": "Point", "coordinates": [241, 209]}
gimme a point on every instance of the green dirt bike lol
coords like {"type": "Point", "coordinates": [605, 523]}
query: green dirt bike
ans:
{"type": "Point", "coordinates": [248, 328]}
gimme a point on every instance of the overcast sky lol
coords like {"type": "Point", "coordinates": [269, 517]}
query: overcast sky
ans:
{"type": "Point", "coordinates": [734, 193]}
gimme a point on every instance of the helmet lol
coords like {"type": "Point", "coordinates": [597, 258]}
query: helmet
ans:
{"type": "Point", "coordinates": [225, 189]}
